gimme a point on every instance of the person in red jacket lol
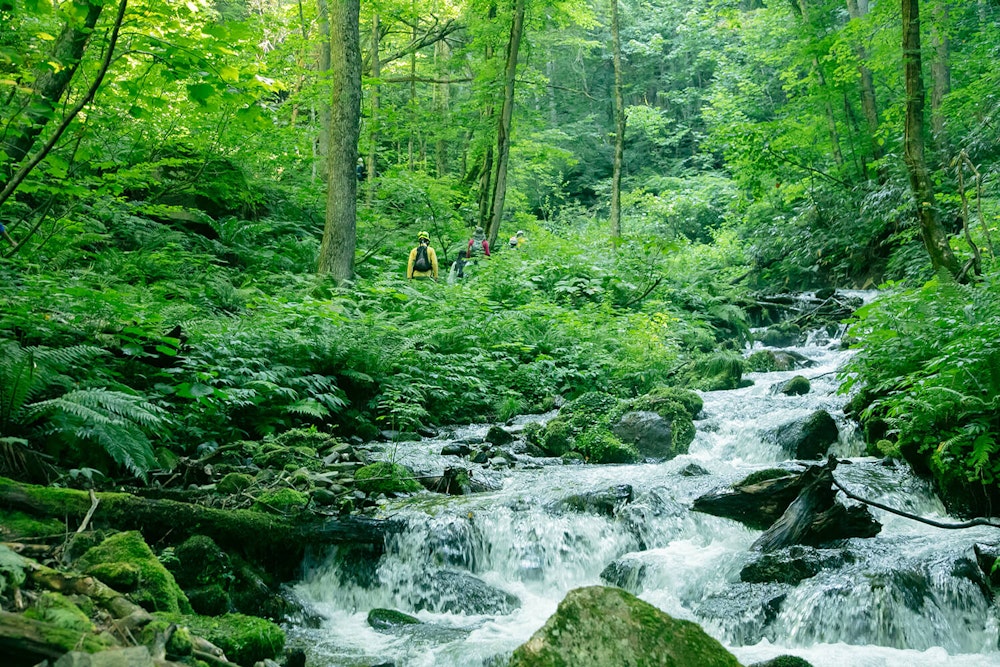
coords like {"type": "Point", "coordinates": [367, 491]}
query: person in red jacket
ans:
{"type": "Point", "coordinates": [478, 245]}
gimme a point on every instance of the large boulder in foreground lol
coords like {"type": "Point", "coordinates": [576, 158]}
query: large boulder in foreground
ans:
{"type": "Point", "coordinates": [807, 438]}
{"type": "Point", "coordinates": [599, 626]}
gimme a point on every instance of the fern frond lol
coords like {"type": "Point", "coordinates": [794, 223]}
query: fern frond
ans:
{"type": "Point", "coordinates": [309, 407]}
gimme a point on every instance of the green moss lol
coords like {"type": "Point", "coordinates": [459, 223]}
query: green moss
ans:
{"type": "Point", "coordinates": [722, 370]}
{"type": "Point", "coordinates": [762, 361]}
{"type": "Point", "coordinates": [691, 401]}
{"type": "Point", "coordinates": [384, 619]}
{"type": "Point", "coordinates": [385, 477]}
{"type": "Point", "coordinates": [210, 600]}
{"type": "Point", "coordinates": [533, 433]}
{"type": "Point", "coordinates": [601, 446]}
{"type": "Point", "coordinates": [589, 409]}
{"type": "Point", "coordinates": [234, 482]}
{"type": "Point", "coordinates": [17, 525]}
{"type": "Point", "coordinates": [305, 437]}
{"type": "Point", "coordinates": [797, 386]}
{"type": "Point", "coordinates": [557, 438]}
{"type": "Point", "coordinates": [59, 639]}
{"type": "Point", "coordinates": [244, 639]}
{"type": "Point", "coordinates": [123, 577]}
{"type": "Point", "coordinates": [157, 590]}
{"type": "Point", "coordinates": [166, 459]}
{"type": "Point", "coordinates": [59, 611]}
{"type": "Point", "coordinates": [200, 562]}
{"type": "Point", "coordinates": [180, 644]}
{"type": "Point", "coordinates": [759, 476]}
{"type": "Point", "coordinates": [281, 501]}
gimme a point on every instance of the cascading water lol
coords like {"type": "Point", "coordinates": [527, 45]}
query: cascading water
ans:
{"type": "Point", "coordinates": [483, 572]}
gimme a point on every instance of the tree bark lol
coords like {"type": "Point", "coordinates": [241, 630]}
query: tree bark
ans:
{"type": "Point", "coordinates": [376, 109]}
{"type": "Point", "coordinates": [616, 176]}
{"type": "Point", "coordinates": [504, 126]}
{"type": "Point", "coordinates": [50, 85]}
{"type": "Point", "coordinates": [941, 73]}
{"type": "Point", "coordinates": [934, 236]}
{"type": "Point", "coordinates": [323, 62]}
{"type": "Point", "coordinates": [336, 255]}
{"type": "Point", "coordinates": [869, 106]}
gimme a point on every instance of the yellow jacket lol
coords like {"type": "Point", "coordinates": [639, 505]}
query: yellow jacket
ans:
{"type": "Point", "coordinates": [431, 255]}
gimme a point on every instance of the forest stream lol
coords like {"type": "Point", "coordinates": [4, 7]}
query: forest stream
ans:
{"type": "Point", "coordinates": [483, 572]}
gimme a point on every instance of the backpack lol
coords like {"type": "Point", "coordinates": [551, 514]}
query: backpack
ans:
{"type": "Point", "coordinates": [422, 262]}
{"type": "Point", "coordinates": [477, 247]}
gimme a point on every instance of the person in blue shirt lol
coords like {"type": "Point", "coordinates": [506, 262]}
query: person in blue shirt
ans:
{"type": "Point", "coordinates": [3, 233]}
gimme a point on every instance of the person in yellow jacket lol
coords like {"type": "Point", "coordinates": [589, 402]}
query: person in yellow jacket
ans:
{"type": "Point", "coordinates": [423, 262]}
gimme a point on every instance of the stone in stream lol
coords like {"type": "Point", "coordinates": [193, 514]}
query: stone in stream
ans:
{"type": "Point", "coordinates": [806, 438]}
{"type": "Point", "coordinates": [498, 437]}
{"type": "Point", "coordinates": [460, 593]}
{"type": "Point", "coordinates": [649, 432]}
{"type": "Point", "coordinates": [745, 612]}
{"type": "Point", "coordinates": [456, 449]}
{"type": "Point", "coordinates": [600, 626]}
{"type": "Point", "coordinates": [792, 565]}
{"type": "Point", "coordinates": [606, 501]}
{"type": "Point", "coordinates": [797, 386]}
{"type": "Point", "coordinates": [626, 572]}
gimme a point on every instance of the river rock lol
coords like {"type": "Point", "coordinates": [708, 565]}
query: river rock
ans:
{"type": "Point", "coordinates": [134, 656]}
{"type": "Point", "coordinates": [797, 386]}
{"type": "Point", "coordinates": [498, 437]}
{"type": "Point", "coordinates": [693, 470]}
{"type": "Point", "coordinates": [626, 572]}
{"type": "Point", "coordinates": [987, 556]}
{"type": "Point", "coordinates": [606, 501]}
{"type": "Point", "coordinates": [599, 626]}
{"type": "Point", "coordinates": [792, 565]}
{"type": "Point", "coordinates": [649, 432]}
{"type": "Point", "coordinates": [456, 449]}
{"type": "Point", "coordinates": [745, 611]}
{"type": "Point", "coordinates": [783, 661]}
{"type": "Point", "coordinates": [806, 438]}
{"type": "Point", "coordinates": [386, 620]}
{"type": "Point", "coordinates": [461, 593]}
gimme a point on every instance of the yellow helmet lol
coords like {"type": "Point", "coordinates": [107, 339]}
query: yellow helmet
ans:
{"type": "Point", "coordinates": [423, 235]}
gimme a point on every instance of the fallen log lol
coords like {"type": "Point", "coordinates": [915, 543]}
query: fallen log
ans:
{"type": "Point", "coordinates": [276, 541]}
{"type": "Point", "coordinates": [25, 642]}
{"type": "Point", "coordinates": [757, 504]}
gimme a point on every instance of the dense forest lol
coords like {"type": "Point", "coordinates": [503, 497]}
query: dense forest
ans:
{"type": "Point", "coordinates": [207, 209]}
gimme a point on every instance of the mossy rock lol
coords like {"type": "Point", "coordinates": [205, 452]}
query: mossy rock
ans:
{"type": "Point", "coordinates": [210, 601]}
{"type": "Point", "coordinates": [166, 459]}
{"type": "Point", "coordinates": [533, 433]}
{"type": "Point", "coordinates": [692, 402]}
{"type": "Point", "coordinates": [12, 567]}
{"type": "Point", "coordinates": [557, 438]}
{"type": "Point", "coordinates": [234, 482]}
{"type": "Point", "coordinates": [123, 577]}
{"type": "Point", "coordinates": [16, 525]}
{"type": "Point", "coordinates": [180, 645]}
{"type": "Point", "coordinates": [572, 458]}
{"type": "Point", "coordinates": [762, 361]}
{"type": "Point", "coordinates": [199, 562]}
{"type": "Point", "coordinates": [602, 446]}
{"type": "Point", "coordinates": [244, 639]}
{"type": "Point", "coordinates": [385, 477]}
{"type": "Point", "coordinates": [764, 475]}
{"type": "Point", "coordinates": [719, 371]}
{"type": "Point", "coordinates": [590, 409]}
{"type": "Point", "coordinates": [281, 501]}
{"type": "Point", "coordinates": [157, 590]}
{"type": "Point", "coordinates": [783, 661]}
{"type": "Point", "coordinates": [797, 386]}
{"type": "Point", "coordinates": [600, 626]}
{"type": "Point", "coordinates": [305, 437]}
{"type": "Point", "coordinates": [61, 612]}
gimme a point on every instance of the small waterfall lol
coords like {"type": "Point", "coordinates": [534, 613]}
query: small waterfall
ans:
{"type": "Point", "coordinates": [482, 573]}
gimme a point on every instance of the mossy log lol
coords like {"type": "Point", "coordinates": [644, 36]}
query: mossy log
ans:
{"type": "Point", "coordinates": [757, 504]}
{"type": "Point", "coordinates": [109, 599]}
{"type": "Point", "coordinates": [272, 540]}
{"type": "Point", "coordinates": [24, 641]}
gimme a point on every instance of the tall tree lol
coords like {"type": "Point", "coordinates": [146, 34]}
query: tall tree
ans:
{"type": "Point", "coordinates": [858, 9]}
{"type": "Point", "coordinates": [336, 255]}
{"type": "Point", "coordinates": [934, 236]}
{"type": "Point", "coordinates": [506, 116]}
{"type": "Point", "coordinates": [616, 177]}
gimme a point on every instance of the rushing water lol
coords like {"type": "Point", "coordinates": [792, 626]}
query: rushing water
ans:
{"type": "Point", "coordinates": [897, 600]}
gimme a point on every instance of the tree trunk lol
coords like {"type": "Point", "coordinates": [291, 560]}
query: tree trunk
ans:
{"type": "Point", "coordinates": [323, 61]}
{"type": "Point", "coordinates": [49, 85]}
{"type": "Point", "coordinates": [506, 115]}
{"type": "Point", "coordinates": [616, 176]}
{"type": "Point", "coordinates": [857, 10]}
{"type": "Point", "coordinates": [941, 73]}
{"type": "Point", "coordinates": [336, 255]}
{"type": "Point", "coordinates": [376, 108]}
{"type": "Point", "coordinates": [933, 234]}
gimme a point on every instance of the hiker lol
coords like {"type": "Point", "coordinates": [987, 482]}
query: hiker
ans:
{"type": "Point", "coordinates": [360, 170]}
{"type": "Point", "coordinates": [457, 269]}
{"type": "Point", "coordinates": [423, 262]}
{"type": "Point", "coordinates": [478, 245]}
{"type": "Point", "coordinates": [3, 233]}
{"type": "Point", "coordinates": [517, 240]}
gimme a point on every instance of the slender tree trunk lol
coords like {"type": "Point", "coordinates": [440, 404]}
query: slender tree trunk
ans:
{"type": "Point", "coordinates": [858, 9]}
{"type": "Point", "coordinates": [831, 120]}
{"type": "Point", "coordinates": [616, 177]}
{"type": "Point", "coordinates": [336, 255]}
{"type": "Point", "coordinates": [506, 116]}
{"type": "Point", "coordinates": [413, 92]}
{"type": "Point", "coordinates": [934, 236]}
{"type": "Point", "coordinates": [50, 84]}
{"type": "Point", "coordinates": [486, 176]}
{"type": "Point", "coordinates": [443, 93]}
{"type": "Point", "coordinates": [941, 72]}
{"type": "Point", "coordinates": [323, 62]}
{"type": "Point", "coordinates": [376, 109]}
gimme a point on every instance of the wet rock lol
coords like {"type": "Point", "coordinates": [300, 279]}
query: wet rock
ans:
{"type": "Point", "coordinates": [588, 628]}
{"type": "Point", "coordinates": [649, 432]}
{"type": "Point", "coordinates": [479, 456]}
{"type": "Point", "coordinates": [783, 661]}
{"type": "Point", "coordinates": [797, 386]}
{"type": "Point", "coordinates": [966, 568]}
{"type": "Point", "coordinates": [785, 334]}
{"type": "Point", "coordinates": [461, 593]}
{"type": "Point", "coordinates": [606, 501]}
{"type": "Point", "coordinates": [692, 470]}
{"type": "Point", "coordinates": [745, 612]}
{"type": "Point", "coordinates": [792, 565]}
{"type": "Point", "coordinates": [456, 449]}
{"type": "Point", "coordinates": [626, 572]}
{"type": "Point", "coordinates": [325, 497]}
{"type": "Point", "coordinates": [135, 656]}
{"type": "Point", "coordinates": [384, 620]}
{"type": "Point", "coordinates": [498, 437]}
{"type": "Point", "coordinates": [806, 438]}
{"type": "Point", "coordinates": [427, 431]}
{"type": "Point", "coordinates": [987, 556]}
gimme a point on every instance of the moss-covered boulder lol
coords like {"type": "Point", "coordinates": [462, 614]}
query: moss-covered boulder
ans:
{"type": "Point", "coordinates": [662, 400]}
{"type": "Point", "coordinates": [383, 620]}
{"type": "Point", "coordinates": [210, 600]}
{"type": "Point", "coordinates": [797, 386]}
{"type": "Point", "coordinates": [244, 639]}
{"type": "Point", "coordinates": [784, 661]}
{"type": "Point", "coordinates": [590, 409]}
{"type": "Point", "coordinates": [599, 626]}
{"type": "Point", "coordinates": [761, 361]}
{"type": "Point", "coordinates": [784, 334]}
{"type": "Point", "coordinates": [281, 501]}
{"type": "Point", "coordinates": [722, 370]}
{"type": "Point", "coordinates": [807, 438]}
{"type": "Point", "coordinates": [234, 482]}
{"type": "Point", "coordinates": [556, 438]}
{"type": "Point", "coordinates": [385, 477]}
{"type": "Point", "coordinates": [677, 408]}
{"type": "Point", "coordinates": [156, 589]}
{"type": "Point", "coordinates": [599, 445]}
